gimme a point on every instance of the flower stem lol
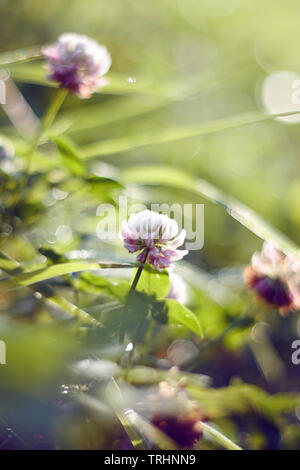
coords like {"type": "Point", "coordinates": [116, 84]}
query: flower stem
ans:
{"type": "Point", "coordinates": [136, 280]}
{"type": "Point", "coordinates": [129, 296]}
{"type": "Point", "coordinates": [54, 108]}
{"type": "Point", "coordinates": [47, 121]}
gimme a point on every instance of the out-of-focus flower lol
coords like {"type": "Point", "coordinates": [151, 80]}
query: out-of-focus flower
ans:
{"type": "Point", "coordinates": [77, 63]}
{"type": "Point", "coordinates": [275, 277]}
{"type": "Point", "coordinates": [155, 236]}
{"type": "Point", "coordinates": [178, 289]}
{"type": "Point", "coordinates": [176, 415]}
{"type": "Point", "coordinates": [294, 280]}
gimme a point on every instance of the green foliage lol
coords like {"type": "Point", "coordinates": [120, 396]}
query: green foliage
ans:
{"type": "Point", "coordinates": [89, 282]}
{"type": "Point", "coordinates": [154, 283]}
{"type": "Point", "coordinates": [179, 314]}
{"type": "Point", "coordinates": [70, 156]}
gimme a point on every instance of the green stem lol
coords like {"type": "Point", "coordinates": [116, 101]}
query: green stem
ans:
{"type": "Point", "coordinates": [135, 281]}
{"type": "Point", "coordinates": [129, 296]}
{"type": "Point", "coordinates": [219, 437]}
{"type": "Point", "coordinates": [47, 121]}
{"type": "Point", "coordinates": [54, 108]}
{"type": "Point", "coordinates": [148, 337]}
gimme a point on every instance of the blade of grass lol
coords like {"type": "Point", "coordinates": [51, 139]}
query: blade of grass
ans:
{"type": "Point", "coordinates": [12, 267]}
{"type": "Point", "coordinates": [34, 73]}
{"type": "Point", "coordinates": [109, 147]}
{"type": "Point", "coordinates": [116, 400]}
{"type": "Point", "coordinates": [20, 55]}
{"type": "Point", "coordinates": [165, 176]}
{"type": "Point", "coordinates": [43, 274]}
{"type": "Point", "coordinates": [153, 434]}
{"type": "Point", "coordinates": [137, 424]}
{"type": "Point", "coordinates": [89, 118]}
{"type": "Point", "coordinates": [219, 437]}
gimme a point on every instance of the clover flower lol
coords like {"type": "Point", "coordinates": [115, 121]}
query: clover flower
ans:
{"type": "Point", "coordinates": [275, 277]}
{"type": "Point", "coordinates": [176, 415]}
{"type": "Point", "coordinates": [155, 236]}
{"type": "Point", "coordinates": [77, 63]}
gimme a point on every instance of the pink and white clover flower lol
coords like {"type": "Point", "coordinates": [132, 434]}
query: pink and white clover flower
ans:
{"type": "Point", "coordinates": [155, 236]}
{"type": "Point", "coordinates": [77, 63]}
{"type": "Point", "coordinates": [275, 277]}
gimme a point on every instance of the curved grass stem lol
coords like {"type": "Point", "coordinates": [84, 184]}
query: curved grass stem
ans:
{"type": "Point", "coordinates": [219, 437]}
{"type": "Point", "coordinates": [129, 296]}
{"type": "Point", "coordinates": [47, 121]}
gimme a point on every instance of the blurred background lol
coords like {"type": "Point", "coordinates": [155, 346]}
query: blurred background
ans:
{"type": "Point", "coordinates": [201, 61]}
{"type": "Point", "coordinates": [176, 65]}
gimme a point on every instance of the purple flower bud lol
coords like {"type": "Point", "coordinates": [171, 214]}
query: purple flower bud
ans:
{"type": "Point", "coordinates": [275, 278]}
{"type": "Point", "coordinates": [77, 63]}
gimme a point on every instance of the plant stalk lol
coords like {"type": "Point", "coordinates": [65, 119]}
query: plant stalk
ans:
{"type": "Point", "coordinates": [129, 296]}
{"type": "Point", "coordinates": [47, 121]}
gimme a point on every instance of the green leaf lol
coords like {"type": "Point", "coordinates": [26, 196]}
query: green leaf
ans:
{"type": "Point", "coordinates": [181, 315]}
{"type": "Point", "coordinates": [29, 278]}
{"type": "Point", "coordinates": [153, 282]}
{"type": "Point", "coordinates": [239, 211]}
{"type": "Point", "coordinates": [70, 156]}
{"type": "Point", "coordinates": [92, 283]}
{"type": "Point", "coordinates": [101, 186]}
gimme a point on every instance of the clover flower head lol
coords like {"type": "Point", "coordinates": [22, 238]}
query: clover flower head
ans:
{"type": "Point", "coordinates": [77, 63]}
{"type": "Point", "coordinates": [174, 413]}
{"type": "Point", "coordinates": [155, 236]}
{"type": "Point", "coordinates": [273, 276]}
